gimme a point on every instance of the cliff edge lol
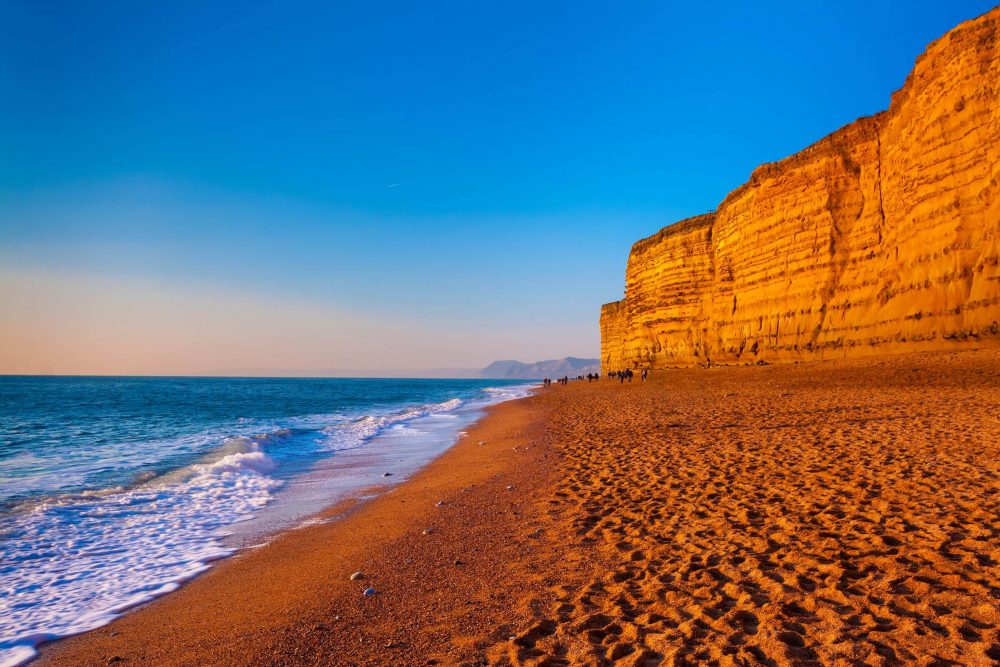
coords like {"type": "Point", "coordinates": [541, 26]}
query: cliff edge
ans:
{"type": "Point", "coordinates": [881, 237]}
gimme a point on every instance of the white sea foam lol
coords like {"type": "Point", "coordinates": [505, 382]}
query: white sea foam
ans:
{"type": "Point", "coordinates": [355, 433]}
{"type": "Point", "coordinates": [75, 563]}
{"type": "Point", "coordinates": [509, 393]}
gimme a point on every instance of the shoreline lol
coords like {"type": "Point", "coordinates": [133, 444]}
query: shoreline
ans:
{"type": "Point", "coordinates": [838, 513]}
{"type": "Point", "coordinates": [333, 539]}
{"type": "Point", "coordinates": [305, 498]}
{"type": "Point", "coordinates": [394, 447]}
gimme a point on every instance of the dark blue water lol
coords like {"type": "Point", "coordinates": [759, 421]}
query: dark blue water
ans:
{"type": "Point", "coordinates": [114, 490]}
{"type": "Point", "coordinates": [60, 434]}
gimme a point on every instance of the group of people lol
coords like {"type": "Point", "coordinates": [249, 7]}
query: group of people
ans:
{"type": "Point", "coordinates": [622, 376]}
{"type": "Point", "coordinates": [628, 374]}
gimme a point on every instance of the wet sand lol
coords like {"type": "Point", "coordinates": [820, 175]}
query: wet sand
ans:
{"type": "Point", "coordinates": [840, 513]}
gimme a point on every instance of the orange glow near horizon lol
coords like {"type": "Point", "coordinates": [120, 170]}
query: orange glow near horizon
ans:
{"type": "Point", "coordinates": [81, 324]}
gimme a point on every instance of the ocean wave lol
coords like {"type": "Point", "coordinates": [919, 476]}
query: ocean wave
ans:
{"type": "Point", "coordinates": [508, 393]}
{"type": "Point", "coordinates": [357, 432]}
{"type": "Point", "coordinates": [74, 564]}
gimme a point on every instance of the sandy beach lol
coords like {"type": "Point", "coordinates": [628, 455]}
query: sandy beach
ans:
{"type": "Point", "coordinates": [834, 513]}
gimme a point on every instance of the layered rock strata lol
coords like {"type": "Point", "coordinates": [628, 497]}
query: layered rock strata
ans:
{"type": "Point", "coordinates": [883, 236]}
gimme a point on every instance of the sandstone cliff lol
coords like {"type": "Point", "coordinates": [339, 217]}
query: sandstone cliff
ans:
{"type": "Point", "coordinates": [883, 236]}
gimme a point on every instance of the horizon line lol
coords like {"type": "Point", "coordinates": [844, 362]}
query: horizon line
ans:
{"type": "Point", "coordinates": [215, 375]}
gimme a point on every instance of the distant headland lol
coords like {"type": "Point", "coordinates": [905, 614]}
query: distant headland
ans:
{"type": "Point", "coordinates": [516, 370]}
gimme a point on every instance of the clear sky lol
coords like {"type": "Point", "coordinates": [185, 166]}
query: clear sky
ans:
{"type": "Point", "coordinates": [310, 187]}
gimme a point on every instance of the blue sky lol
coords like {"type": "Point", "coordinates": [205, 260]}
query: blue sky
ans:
{"type": "Point", "coordinates": [465, 167]}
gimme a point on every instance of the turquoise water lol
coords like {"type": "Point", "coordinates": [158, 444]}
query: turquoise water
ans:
{"type": "Point", "coordinates": [116, 490]}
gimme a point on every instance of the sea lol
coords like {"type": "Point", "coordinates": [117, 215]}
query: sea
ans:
{"type": "Point", "coordinates": [116, 490]}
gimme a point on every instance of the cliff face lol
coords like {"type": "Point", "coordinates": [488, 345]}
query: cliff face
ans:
{"type": "Point", "coordinates": [883, 236]}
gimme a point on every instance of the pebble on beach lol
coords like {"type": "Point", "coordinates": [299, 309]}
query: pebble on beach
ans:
{"type": "Point", "coordinates": [357, 575]}
{"type": "Point", "coordinates": [387, 474]}
{"type": "Point", "coordinates": [510, 487]}
{"type": "Point", "coordinates": [482, 442]}
{"type": "Point", "coordinates": [440, 503]}
{"type": "Point", "coordinates": [369, 592]}
{"type": "Point", "coordinates": [428, 531]}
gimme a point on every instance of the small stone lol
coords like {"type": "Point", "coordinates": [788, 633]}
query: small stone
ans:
{"type": "Point", "coordinates": [510, 487]}
{"type": "Point", "coordinates": [369, 592]}
{"type": "Point", "coordinates": [458, 562]}
{"type": "Point", "coordinates": [428, 531]}
{"type": "Point", "coordinates": [387, 474]}
{"type": "Point", "coordinates": [440, 503]}
{"type": "Point", "coordinates": [357, 575]}
{"type": "Point", "coordinates": [482, 442]}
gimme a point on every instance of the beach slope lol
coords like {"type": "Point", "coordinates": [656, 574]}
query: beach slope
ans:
{"type": "Point", "coordinates": [834, 513]}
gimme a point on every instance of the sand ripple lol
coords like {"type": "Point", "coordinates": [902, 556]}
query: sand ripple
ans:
{"type": "Point", "coordinates": [843, 514]}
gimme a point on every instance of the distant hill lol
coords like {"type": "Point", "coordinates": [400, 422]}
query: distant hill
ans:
{"type": "Point", "coordinates": [553, 368]}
